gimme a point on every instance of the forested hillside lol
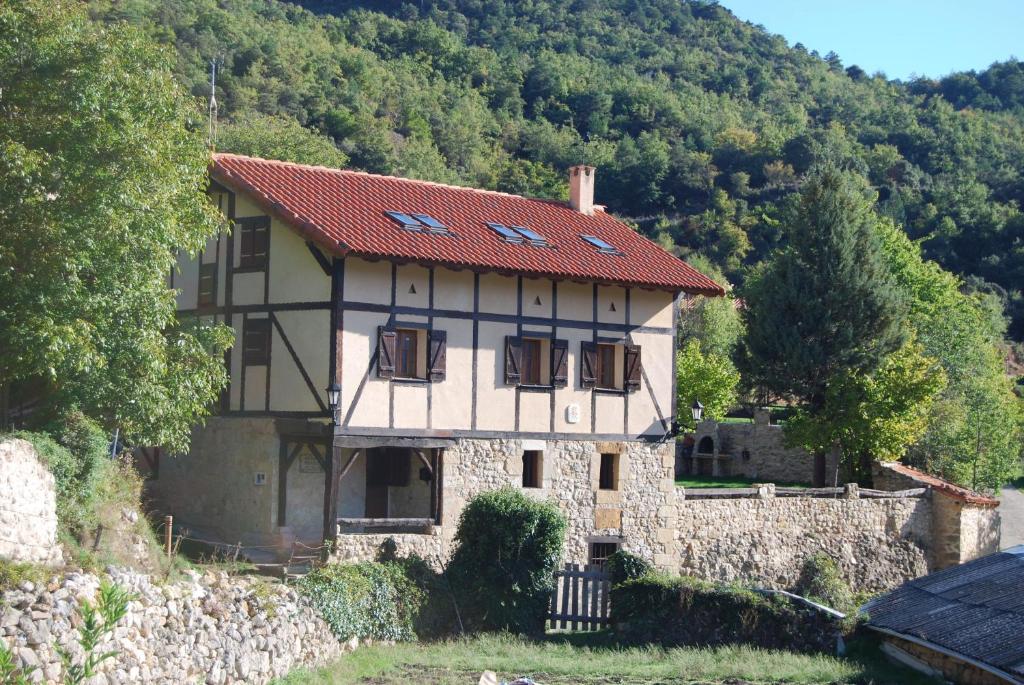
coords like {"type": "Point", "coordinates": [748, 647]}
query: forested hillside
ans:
{"type": "Point", "coordinates": [701, 125]}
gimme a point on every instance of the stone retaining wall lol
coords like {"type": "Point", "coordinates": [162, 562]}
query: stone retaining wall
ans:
{"type": "Point", "coordinates": [28, 506]}
{"type": "Point", "coordinates": [205, 629]}
{"type": "Point", "coordinates": [878, 543]}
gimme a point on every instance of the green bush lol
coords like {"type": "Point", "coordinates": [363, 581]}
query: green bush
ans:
{"type": "Point", "coordinates": [822, 582]}
{"type": "Point", "coordinates": [367, 600]}
{"type": "Point", "coordinates": [623, 566]}
{"type": "Point", "coordinates": [674, 612]}
{"type": "Point", "coordinates": [503, 567]}
{"type": "Point", "coordinates": [74, 448]}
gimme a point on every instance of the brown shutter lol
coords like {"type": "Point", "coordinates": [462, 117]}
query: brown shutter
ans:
{"type": "Point", "coordinates": [588, 364]}
{"type": "Point", "coordinates": [634, 369]}
{"type": "Point", "coordinates": [385, 353]}
{"type": "Point", "coordinates": [261, 240]}
{"type": "Point", "coordinates": [513, 359]}
{"type": "Point", "coordinates": [245, 233]}
{"type": "Point", "coordinates": [559, 363]}
{"type": "Point", "coordinates": [438, 356]}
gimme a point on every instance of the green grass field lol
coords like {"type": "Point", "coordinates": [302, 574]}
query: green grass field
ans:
{"type": "Point", "coordinates": [726, 482]}
{"type": "Point", "coordinates": [589, 659]}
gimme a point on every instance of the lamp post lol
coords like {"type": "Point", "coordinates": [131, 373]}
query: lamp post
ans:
{"type": "Point", "coordinates": [333, 400]}
{"type": "Point", "coordinates": [697, 410]}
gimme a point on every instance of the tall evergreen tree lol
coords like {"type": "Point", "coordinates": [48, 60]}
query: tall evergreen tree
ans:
{"type": "Point", "coordinates": [827, 304]}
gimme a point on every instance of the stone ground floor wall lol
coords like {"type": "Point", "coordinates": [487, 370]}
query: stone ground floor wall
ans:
{"type": "Point", "coordinates": [878, 543]}
{"type": "Point", "coordinates": [632, 515]}
{"type": "Point", "coordinates": [205, 629]}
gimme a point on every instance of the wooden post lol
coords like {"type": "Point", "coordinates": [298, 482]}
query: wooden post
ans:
{"type": "Point", "coordinates": [331, 478]}
{"type": "Point", "coordinates": [168, 526]}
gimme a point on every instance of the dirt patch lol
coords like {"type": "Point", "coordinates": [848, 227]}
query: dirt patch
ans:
{"type": "Point", "coordinates": [444, 676]}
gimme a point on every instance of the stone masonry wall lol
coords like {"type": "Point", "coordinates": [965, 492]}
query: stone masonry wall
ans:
{"type": "Point", "coordinates": [28, 506]}
{"type": "Point", "coordinates": [633, 515]}
{"type": "Point", "coordinates": [206, 629]}
{"type": "Point", "coordinates": [878, 543]}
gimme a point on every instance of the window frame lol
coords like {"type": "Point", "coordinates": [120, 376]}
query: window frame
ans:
{"type": "Point", "coordinates": [254, 230]}
{"type": "Point", "coordinates": [600, 561]}
{"type": "Point", "coordinates": [608, 471]}
{"type": "Point", "coordinates": [531, 372]}
{"type": "Point", "coordinates": [533, 469]}
{"type": "Point", "coordinates": [604, 372]}
{"type": "Point", "coordinates": [402, 359]}
{"type": "Point", "coordinates": [253, 355]}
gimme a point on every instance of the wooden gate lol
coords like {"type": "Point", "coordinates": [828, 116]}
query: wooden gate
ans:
{"type": "Point", "coordinates": [580, 599]}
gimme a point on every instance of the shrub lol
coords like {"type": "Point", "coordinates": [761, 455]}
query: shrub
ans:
{"type": "Point", "coordinates": [623, 566]}
{"type": "Point", "coordinates": [508, 546]}
{"type": "Point", "coordinates": [821, 581]}
{"type": "Point", "coordinates": [684, 611]}
{"type": "Point", "coordinates": [366, 600]}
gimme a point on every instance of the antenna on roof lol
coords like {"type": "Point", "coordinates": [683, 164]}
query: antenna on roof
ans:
{"type": "Point", "coordinates": [213, 104]}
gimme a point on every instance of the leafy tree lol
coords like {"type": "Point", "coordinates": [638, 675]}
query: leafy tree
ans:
{"type": "Point", "coordinates": [103, 176]}
{"type": "Point", "coordinates": [279, 137]}
{"type": "Point", "coordinates": [714, 322]}
{"type": "Point", "coordinates": [826, 306]}
{"type": "Point", "coordinates": [708, 377]}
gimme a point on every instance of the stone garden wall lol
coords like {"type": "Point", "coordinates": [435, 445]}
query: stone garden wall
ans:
{"type": "Point", "coordinates": [205, 629]}
{"type": "Point", "coordinates": [878, 543]}
{"type": "Point", "coordinates": [28, 506]}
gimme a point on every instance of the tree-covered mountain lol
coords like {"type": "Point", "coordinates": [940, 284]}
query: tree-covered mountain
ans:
{"type": "Point", "coordinates": [702, 125]}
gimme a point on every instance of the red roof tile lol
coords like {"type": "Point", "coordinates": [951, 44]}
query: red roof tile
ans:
{"type": "Point", "coordinates": [343, 211]}
{"type": "Point", "coordinates": [954, 491]}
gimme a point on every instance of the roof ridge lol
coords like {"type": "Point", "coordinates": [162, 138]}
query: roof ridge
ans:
{"type": "Point", "coordinates": [403, 179]}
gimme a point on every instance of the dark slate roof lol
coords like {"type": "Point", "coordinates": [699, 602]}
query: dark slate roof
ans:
{"type": "Point", "coordinates": [975, 610]}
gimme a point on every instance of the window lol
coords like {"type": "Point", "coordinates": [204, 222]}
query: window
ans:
{"type": "Point", "coordinates": [606, 367]}
{"type": "Point", "coordinates": [207, 285]}
{"type": "Point", "coordinates": [600, 551]}
{"type": "Point", "coordinates": [534, 237]}
{"type": "Point", "coordinates": [435, 225]}
{"type": "Point", "coordinates": [407, 355]}
{"type": "Point", "coordinates": [531, 361]}
{"type": "Point", "coordinates": [414, 221]}
{"type": "Point", "coordinates": [602, 246]}
{"type": "Point", "coordinates": [256, 342]}
{"type": "Point", "coordinates": [609, 473]}
{"type": "Point", "coordinates": [533, 474]}
{"type": "Point", "coordinates": [405, 220]}
{"type": "Point", "coordinates": [254, 235]}
{"type": "Point", "coordinates": [505, 232]}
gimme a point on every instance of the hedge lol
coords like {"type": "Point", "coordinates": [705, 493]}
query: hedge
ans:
{"type": "Point", "coordinates": [683, 611]}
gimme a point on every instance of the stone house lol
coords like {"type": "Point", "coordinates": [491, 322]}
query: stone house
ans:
{"type": "Point", "coordinates": [473, 340]}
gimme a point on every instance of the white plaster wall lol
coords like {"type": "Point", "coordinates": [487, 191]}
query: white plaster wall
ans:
{"type": "Point", "coordinates": [495, 401]}
{"type": "Point", "coordinates": [606, 297]}
{"type": "Point", "coordinates": [306, 331]}
{"type": "Point", "coordinates": [367, 281]}
{"type": "Point", "coordinates": [652, 307]}
{"type": "Point", "coordinates": [186, 281]}
{"type": "Point", "coordinates": [412, 276]}
{"type": "Point", "coordinates": [410, 405]}
{"type": "Point", "coordinates": [452, 400]}
{"type": "Point", "coordinates": [656, 356]}
{"type": "Point", "coordinates": [453, 290]}
{"type": "Point", "coordinates": [572, 394]}
{"type": "Point", "coordinates": [359, 344]}
{"type": "Point", "coordinates": [498, 294]}
{"type": "Point", "coordinates": [534, 288]}
{"type": "Point", "coordinates": [295, 275]}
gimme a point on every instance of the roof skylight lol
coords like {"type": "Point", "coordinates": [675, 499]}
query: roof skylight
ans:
{"type": "Point", "coordinates": [505, 232]}
{"type": "Point", "coordinates": [602, 246]}
{"type": "Point", "coordinates": [532, 236]}
{"type": "Point", "coordinates": [417, 222]}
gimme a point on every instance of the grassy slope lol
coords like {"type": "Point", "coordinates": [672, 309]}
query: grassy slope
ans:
{"type": "Point", "coordinates": [585, 660]}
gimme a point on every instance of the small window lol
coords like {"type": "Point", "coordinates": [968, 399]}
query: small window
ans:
{"type": "Point", "coordinates": [606, 367]}
{"type": "Point", "coordinates": [534, 237]}
{"type": "Point", "coordinates": [407, 354]}
{"type": "Point", "coordinates": [600, 551]}
{"type": "Point", "coordinates": [256, 342]}
{"type": "Point", "coordinates": [254, 236]}
{"type": "Point", "coordinates": [531, 362]}
{"type": "Point", "coordinates": [207, 285]}
{"type": "Point", "coordinates": [435, 225]}
{"type": "Point", "coordinates": [601, 245]}
{"type": "Point", "coordinates": [405, 220]}
{"type": "Point", "coordinates": [505, 232]}
{"type": "Point", "coordinates": [533, 474]}
{"type": "Point", "coordinates": [609, 473]}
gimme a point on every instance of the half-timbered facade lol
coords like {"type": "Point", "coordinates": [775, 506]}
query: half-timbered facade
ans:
{"type": "Point", "coordinates": [476, 339]}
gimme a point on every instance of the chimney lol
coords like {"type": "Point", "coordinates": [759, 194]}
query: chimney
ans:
{"type": "Point", "coordinates": [581, 189]}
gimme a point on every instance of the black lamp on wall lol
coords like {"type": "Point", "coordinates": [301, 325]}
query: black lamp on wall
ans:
{"type": "Point", "coordinates": [697, 410]}
{"type": "Point", "coordinates": [334, 400]}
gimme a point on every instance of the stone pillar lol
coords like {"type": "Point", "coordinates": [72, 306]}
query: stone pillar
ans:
{"type": "Point", "coordinates": [851, 491]}
{"type": "Point", "coordinates": [765, 490]}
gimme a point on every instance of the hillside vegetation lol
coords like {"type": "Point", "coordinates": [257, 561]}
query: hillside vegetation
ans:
{"type": "Point", "coordinates": [701, 124]}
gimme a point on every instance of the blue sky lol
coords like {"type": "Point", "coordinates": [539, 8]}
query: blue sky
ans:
{"type": "Point", "coordinates": [898, 37]}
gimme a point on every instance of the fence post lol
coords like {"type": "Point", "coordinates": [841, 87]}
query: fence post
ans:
{"type": "Point", "coordinates": [168, 525]}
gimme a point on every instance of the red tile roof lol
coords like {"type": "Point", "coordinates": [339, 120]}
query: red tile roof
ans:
{"type": "Point", "coordinates": [954, 491]}
{"type": "Point", "coordinates": [343, 212]}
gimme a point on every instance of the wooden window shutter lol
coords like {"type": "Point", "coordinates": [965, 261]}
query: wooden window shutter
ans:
{"type": "Point", "coordinates": [588, 364]}
{"type": "Point", "coordinates": [385, 353]}
{"type": "Point", "coordinates": [438, 356]}
{"type": "Point", "coordinates": [513, 359]}
{"type": "Point", "coordinates": [559, 363]}
{"type": "Point", "coordinates": [634, 368]}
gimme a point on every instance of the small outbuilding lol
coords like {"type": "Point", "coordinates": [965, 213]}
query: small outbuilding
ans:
{"type": "Point", "coordinates": [965, 623]}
